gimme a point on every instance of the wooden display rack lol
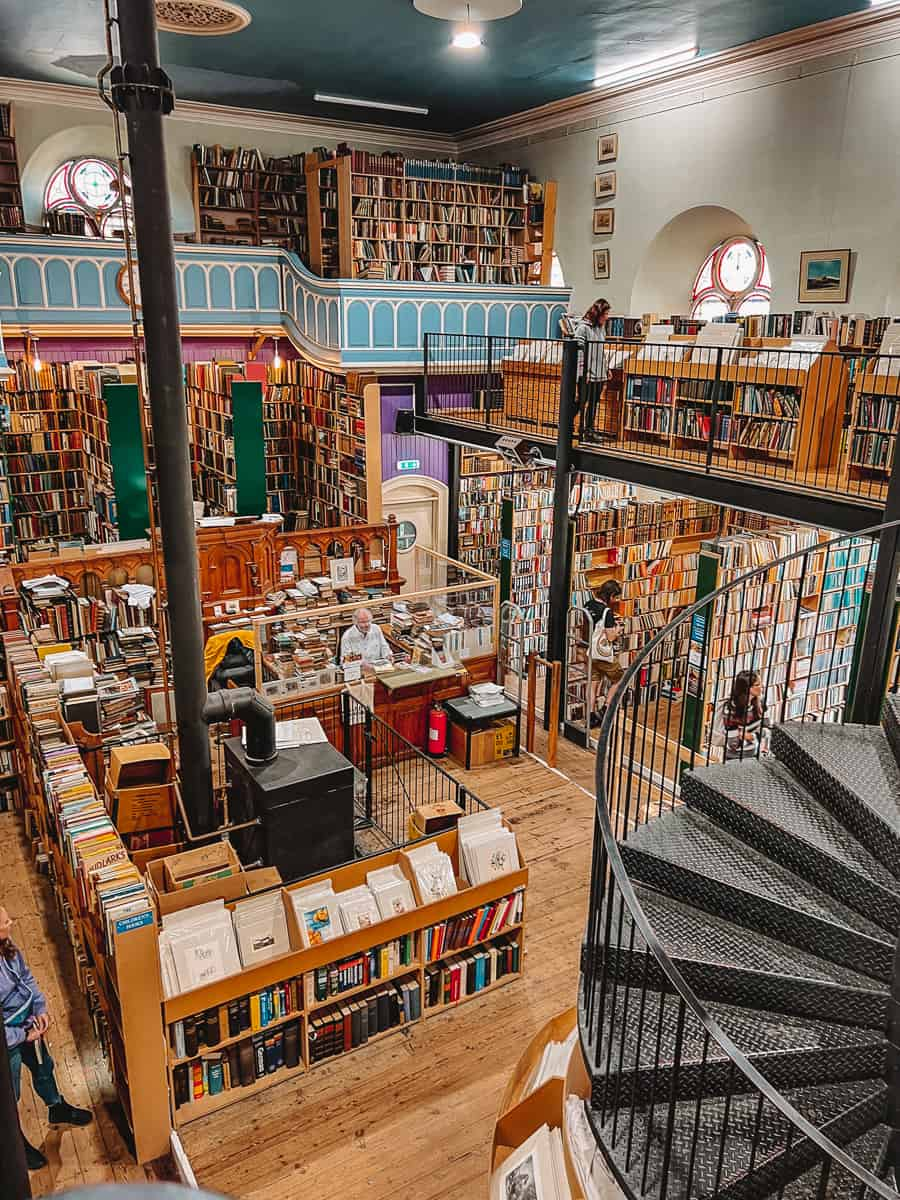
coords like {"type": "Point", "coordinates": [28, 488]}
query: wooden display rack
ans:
{"type": "Point", "coordinates": [520, 1116]}
{"type": "Point", "coordinates": [302, 961]}
{"type": "Point", "coordinates": [879, 386]}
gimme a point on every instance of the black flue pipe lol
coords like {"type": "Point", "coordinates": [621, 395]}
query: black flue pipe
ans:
{"type": "Point", "coordinates": [247, 705]}
{"type": "Point", "coordinates": [143, 93]}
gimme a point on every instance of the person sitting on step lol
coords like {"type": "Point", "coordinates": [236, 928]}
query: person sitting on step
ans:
{"type": "Point", "coordinates": [26, 1020]}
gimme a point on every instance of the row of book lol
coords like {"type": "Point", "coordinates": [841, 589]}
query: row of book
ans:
{"type": "Point", "coordinates": [252, 1013]}
{"type": "Point", "coordinates": [341, 1028]}
{"type": "Point", "coordinates": [471, 972]}
{"type": "Point", "coordinates": [475, 926]}
{"type": "Point", "coordinates": [238, 1065]}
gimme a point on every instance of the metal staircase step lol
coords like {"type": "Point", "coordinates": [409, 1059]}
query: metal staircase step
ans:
{"type": "Point", "coordinates": [762, 803]}
{"type": "Point", "coordinates": [870, 1151]}
{"type": "Point", "coordinates": [688, 856]}
{"type": "Point", "coordinates": [640, 1057]}
{"type": "Point", "coordinates": [851, 769]}
{"type": "Point", "coordinates": [890, 723]}
{"type": "Point", "coordinates": [722, 962]}
{"type": "Point", "coordinates": [760, 1153]}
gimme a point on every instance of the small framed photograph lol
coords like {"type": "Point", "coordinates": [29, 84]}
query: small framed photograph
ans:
{"type": "Point", "coordinates": [604, 220]}
{"type": "Point", "coordinates": [601, 264]}
{"type": "Point", "coordinates": [604, 185]}
{"type": "Point", "coordinates": [824, 276]}
{"type": "Point", "coordinates": [608, 147]}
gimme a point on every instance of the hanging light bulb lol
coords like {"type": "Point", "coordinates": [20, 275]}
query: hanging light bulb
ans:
{"type": "Point", "coordinates": [31, 349]}
{"type": "Point", "coordinates": [276, 361]}
{"type": "Point", "coordinates": [467, 36]}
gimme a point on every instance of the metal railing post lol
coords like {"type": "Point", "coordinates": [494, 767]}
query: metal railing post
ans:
{"type": "Point", "coordinates": [559, 555]}
{"type": "Point", "coordinates": [368, 737]}
{"type": "Point", "coordinates": [714, 410]}
{"type": "Point", "coordinates": [876, 646]}
{"type": "Point", "coordinates": [488, 391]}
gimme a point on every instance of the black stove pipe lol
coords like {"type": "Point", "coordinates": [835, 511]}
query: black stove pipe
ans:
{"type": "Point", "coordinates": [247, 705]}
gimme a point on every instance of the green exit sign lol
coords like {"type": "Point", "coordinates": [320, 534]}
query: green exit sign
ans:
{"type": "Point", "coordinates": [408, 464]}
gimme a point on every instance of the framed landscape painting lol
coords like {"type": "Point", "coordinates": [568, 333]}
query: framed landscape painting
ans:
{"type": "Point", "coordinates": [824, 276]}
{"type": "Point", "coordinates": [608, 147]}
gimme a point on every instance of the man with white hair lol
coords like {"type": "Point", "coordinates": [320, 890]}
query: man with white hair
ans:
{"type": "Point", "coordinates": [364, 642]}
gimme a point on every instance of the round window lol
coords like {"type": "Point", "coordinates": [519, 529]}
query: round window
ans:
{"type": "Point", "coordinates": [406, 535]}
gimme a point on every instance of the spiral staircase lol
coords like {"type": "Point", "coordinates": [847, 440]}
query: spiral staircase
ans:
{"type": "Point", "coordinates": [736, 1009]}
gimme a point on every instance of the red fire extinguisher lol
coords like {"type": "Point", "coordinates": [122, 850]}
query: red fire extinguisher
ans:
{"type": "Point", "coordinates": [437, 731]}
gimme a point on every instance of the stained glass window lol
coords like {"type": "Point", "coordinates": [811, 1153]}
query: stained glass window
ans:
{"type": "Point", "coordinates": [734, 278]}
{"type": "Point", "coordinates": [90, 187]}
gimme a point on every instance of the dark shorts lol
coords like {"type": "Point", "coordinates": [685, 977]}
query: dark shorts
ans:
{"type": "Point", "coordinates": [613, 671]}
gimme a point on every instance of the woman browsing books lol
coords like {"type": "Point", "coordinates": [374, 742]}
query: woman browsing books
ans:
{"type": "Point", "coordinates": [26, 1021]}
{"type": "Point", "coordinates": [590, 334]}
{"type": "Point", "coordinates": [744, 729]}
{"type": "Point", "coordinates": [608, 628]}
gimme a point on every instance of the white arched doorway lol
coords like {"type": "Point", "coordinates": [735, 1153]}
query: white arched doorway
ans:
{"type": "Point", "coordinates": [420, 505]}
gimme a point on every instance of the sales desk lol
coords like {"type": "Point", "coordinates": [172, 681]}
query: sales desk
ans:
{"type": "Point", "coordinates": [403, 697]}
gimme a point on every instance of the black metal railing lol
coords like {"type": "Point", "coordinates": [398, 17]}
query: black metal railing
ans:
{"type": "Point", "coordinates": [809, 418]}
{"type": "Point", "coordinates": [655, 1051]}
{"type": "Point", "coordinates": [393, 777]}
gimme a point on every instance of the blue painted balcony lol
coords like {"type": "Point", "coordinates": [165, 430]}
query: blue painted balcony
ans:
{"type": "Point", "coordinates": [56, 284]}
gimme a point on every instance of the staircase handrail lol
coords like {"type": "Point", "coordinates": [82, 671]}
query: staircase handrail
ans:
{"type": "Point", "coordinates": [617, 866]}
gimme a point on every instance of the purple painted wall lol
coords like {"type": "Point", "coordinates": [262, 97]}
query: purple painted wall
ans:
{"type": "Point", "coordinates": [431, 453]}
{"type": "Point", "coordinates": [115, 350]}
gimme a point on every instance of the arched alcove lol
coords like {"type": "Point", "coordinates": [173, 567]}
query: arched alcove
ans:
{"type": "Point", "coordinates": [97, 140]}
{"type": "Point", "coordinates": [665, 278]}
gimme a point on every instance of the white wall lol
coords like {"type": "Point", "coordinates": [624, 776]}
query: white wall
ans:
{"type": "Point", "coordinates": [805, 158]}
{"type": "Point", "coordinates": [49, 133]}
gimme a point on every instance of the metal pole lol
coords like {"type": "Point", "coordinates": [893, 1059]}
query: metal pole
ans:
{"type": "Point", "coordinates": [876, 646]}
{"type": "Point", "coordinates": [454, 457]}
{"type": "Point", "coordinates": [143, 93]}
{"type": "Point", "coordinates": [559, 554]}
{"type": "Point", "coordinates": [13, 1171]}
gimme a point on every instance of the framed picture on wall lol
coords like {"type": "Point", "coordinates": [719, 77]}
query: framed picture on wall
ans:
{"type": "Point", "coordinates": [608, 147]}
{"type": "Point", "coordinates": [604, 220]}
{"type": "Point", "coordinates": [601, 264]}
{"type": "Point", "coordinates": [604, 185]}
{"type": "Point", "coordinates": [824, 276]}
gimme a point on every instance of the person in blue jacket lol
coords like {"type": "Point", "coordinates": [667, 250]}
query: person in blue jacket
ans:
{"type": "Point", "coordinates": [26, 1020]}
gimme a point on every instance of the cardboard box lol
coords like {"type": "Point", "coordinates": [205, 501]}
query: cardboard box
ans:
{"type": "Point", "coordinates": [216, 858]}
{"type": "Point", "coordinates": [434, 818]}
{"type": "Point", "coordinates": [231, 888]}
{"type": "Point", "coordinates": [484, 747]}
{"type": "Point", "coordinates": [140, 792]}
{"type": "Point", "coordinates": [504, 738]}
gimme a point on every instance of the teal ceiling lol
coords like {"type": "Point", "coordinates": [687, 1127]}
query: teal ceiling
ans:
{"type": "Point", "coordinates": [385, 50]}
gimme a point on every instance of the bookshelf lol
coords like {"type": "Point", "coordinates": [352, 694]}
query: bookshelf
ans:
{"type": "Point", "coordinates": [328, 190]}
{"type": "Point", "coordinates": [874, 423]}
{"type": "Point", "coordinates": [56, 452]}
{"type": "Point", "coordinates": [532, 541]}
{"type": "Point", "coordinates": [386, 216]}
{"type": "Point", "coordinates": [212, 434]}
{"type": "Point", "coordinates": [243, 197]}
{"type": "Point", "coordinates": [339, 444]}
{"type": "Point", "coordinates": [813, 634]}
{"type": "Point", "coordinates": [12, 214]}
{"type": "Point", "coordinates": [279, 426]}
{"type": "Point", "coordinates": [484, 481]}
{"type": "Point", "coordinates": [320, 991]}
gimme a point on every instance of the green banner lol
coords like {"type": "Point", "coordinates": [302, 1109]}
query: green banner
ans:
{"type": "Point", "coordinates": [249, 448]}
{"type": "Point", "coordinates": [126, 451]}
{"type": "Point", "coordinates": [506, 548]}
{"type": "Point", "coordinates": [692, 732]}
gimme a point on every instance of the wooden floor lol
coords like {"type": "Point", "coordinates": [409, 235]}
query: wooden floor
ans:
{"type": "Point", "coordinates": [76, 1157]}
{"type": "Point", "coordinates": [414, 1115]}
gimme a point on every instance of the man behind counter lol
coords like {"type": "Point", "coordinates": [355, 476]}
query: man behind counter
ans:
{"type": "Point", "coordinates": [364, 641]}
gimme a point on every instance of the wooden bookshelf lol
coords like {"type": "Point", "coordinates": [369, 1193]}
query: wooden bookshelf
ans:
{"type": "Point", "coordinates": [56, 452]}
{"type": "Point", "coordinates": [339, 444]}
{"type": "Point", "coordinates": [874, 425]}
{"type": "Point", "coordinates": [12, 214]}
{"type": "Point", "coordinates": [484, 481]}
{"type": "Point", "coordinates": [243, 197]}
{"type": "Point", "coordinates": [386, 216]}
{"type": "Point", "coordinates": [280, 415]}
{"type": "Point", "coordinates": [328, 197]}
{"type": "Point", "coordinates": [212, 436]}
{"type": "Point", "coordinates": [314, 1014]}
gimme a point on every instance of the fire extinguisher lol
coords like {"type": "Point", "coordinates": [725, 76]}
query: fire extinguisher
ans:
{"type": "Point", "coordinates": [437, 731]}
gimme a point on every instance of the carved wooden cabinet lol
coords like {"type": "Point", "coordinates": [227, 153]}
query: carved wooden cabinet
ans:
{"type": "Point", "coordinates": [237, 561]}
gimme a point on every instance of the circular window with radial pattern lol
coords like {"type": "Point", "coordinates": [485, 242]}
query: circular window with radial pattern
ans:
{"type": "Point", "coordinates": [89, 188]}
{"type": "Point", "coordinates": [734, 278]}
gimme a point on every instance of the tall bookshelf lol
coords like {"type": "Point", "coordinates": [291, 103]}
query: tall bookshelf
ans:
{"type": "Point", "coordinates": [12, 214]}
{"type": "Point", "coordinates": [212, 434]}
{"type": "Point", "coordinates": [279, 428]}
{"type": "Point", "coordinates": [385, 216]}
{"type": "Point", "coordinates": [243, 197]}
{"type": "Point", "coordinates": [57, 456]}
{"type": "Point", "coordinates": [484, 481]}
{"type": "Point", "coordinates": [328, 201]}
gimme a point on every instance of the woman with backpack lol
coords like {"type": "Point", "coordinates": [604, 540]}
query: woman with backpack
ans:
{"type": "Point", "coordinates": [608, 628]}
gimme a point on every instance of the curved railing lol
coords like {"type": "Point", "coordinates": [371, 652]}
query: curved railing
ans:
{"type": "Point", "coordinates": [798, 622]}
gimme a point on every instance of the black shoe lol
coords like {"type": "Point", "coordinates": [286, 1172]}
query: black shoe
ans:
{"type": "Point", "coordinates": [34, 1159]}
{"type": "Point", "coordinates": [66, 1114]}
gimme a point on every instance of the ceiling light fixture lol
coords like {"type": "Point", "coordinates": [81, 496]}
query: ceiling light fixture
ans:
{"type": "Point", "coordinates": [648, 66]}
{"type": "Point", "coordinates": [32, 353]}
{"type": "Point", "coordinates": [467, 36]}
{"type": "Point", "coordinates": [326, 98]}
{"type": "Point", "coordinates": [276, 361]}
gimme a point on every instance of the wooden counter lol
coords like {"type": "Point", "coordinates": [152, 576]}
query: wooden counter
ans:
{"type": "Point", "coordinates": [404, 703]}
